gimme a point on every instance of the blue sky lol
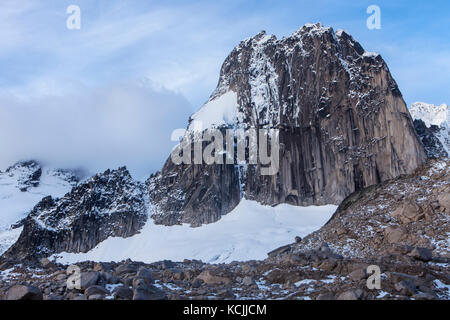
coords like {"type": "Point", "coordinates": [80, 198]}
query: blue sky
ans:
{"type": "Point", "coordinates": [179, 46]}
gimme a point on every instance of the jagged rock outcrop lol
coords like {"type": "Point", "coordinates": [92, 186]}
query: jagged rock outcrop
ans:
{"type": "Point", "coordinates": [27, 173]}
{"type": "Point", "coordinates": [432, 124]}
{"type": "Point", "coordinates": [24, 184]}
{"type": "Point", "coordinates": [429, 137]}
{"type": "Point", "coordinates": [108, 204]}
{"type": "Point", "coordinates": [342, 121]}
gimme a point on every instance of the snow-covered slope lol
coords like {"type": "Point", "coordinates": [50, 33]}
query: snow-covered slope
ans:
{"type": "Point", "coordinates": [437, 116]}
{"type": "Point", "coordinates": [248, 232]}
{"type": "Point", "coordinates": [218, 111]}
{"type": "Point", "coordinates": [22, 186]}
{"type": "Point", "coordinates": [430, 114]}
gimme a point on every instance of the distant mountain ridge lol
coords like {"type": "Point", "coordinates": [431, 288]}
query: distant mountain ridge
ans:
{"type": "Point", "coordinates": [22, 186]}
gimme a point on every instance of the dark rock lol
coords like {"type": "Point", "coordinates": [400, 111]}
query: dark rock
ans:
{"type": "Point", "coordinates": [22, 292]}
{"type": "Point", "coordinates": [197, 283]}
{"type": "Point", "coordinates": [406, 287]}
{"type": "Point", "coordinates": [122, 293]}
{"type": "Point", "coordinates": [88, 279]}
{"type": "Point", "coordinates": [358, 274]}
{"type": "Point", "coordinates": [279, 251]}
{"type": "Point", "coordinates": [349, 295]}
{"type": "Point", "coordinates": [95, 290]}
{"type": "Point", "coordinates": [422, 254]}
{"type": "Point", "coordinates": [46, 263]}
{"type": "Point", "coordinates": [126, 268]}
{"type": "Point", "coordinates": [145, 274]}
{"type": "Point", "coordinates": [143, 291]}
{"type": "Point", "coordinates": [326, 296]}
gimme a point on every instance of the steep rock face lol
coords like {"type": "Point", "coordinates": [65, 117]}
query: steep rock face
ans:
{"type": "Point", "coordinates": [343, 126]}
{"type": "Point", "coordinates": [190, 189]}
{"type": "Point", "coordinates": [108, 204]}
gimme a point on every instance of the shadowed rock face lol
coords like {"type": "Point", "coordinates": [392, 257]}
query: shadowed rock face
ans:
{"type": "Point", "coordinates": [342, 120]}
{"type": "Point", "coordinates": [428, 135]}
{"type": "Point", "coordinates": [108, 204]}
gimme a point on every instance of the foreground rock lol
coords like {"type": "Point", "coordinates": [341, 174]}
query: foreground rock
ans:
{"type": "Point", "coordinates": [22, 292]}
{"type": "Point", "coordinates": [315, 274]}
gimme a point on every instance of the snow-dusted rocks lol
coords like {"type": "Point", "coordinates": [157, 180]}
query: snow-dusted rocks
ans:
{"type": "Point", "coordinates": [108, 204]}
{"type": "Point", "coordinates": [393, 217]}
{"type": "Point", "coordinates": [22, 186]}
{"type": "Point", "coordinates": [432, 124]}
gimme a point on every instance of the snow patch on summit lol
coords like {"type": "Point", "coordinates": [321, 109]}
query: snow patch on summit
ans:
{"type": "Point", "coordinates": [218, 111]}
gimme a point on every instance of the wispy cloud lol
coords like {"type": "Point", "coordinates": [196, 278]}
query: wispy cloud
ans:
{"type": "Point", "coordinates": [97, 128]}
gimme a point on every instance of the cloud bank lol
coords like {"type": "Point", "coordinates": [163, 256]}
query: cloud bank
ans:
{"type": "Point", "coordinates": [96, 128]}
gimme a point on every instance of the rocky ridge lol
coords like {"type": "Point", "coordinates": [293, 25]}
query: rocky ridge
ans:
{"type": "Point", "coordinates": [108, 204]}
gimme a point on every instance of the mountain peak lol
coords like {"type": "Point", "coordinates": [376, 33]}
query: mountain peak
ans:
{"type": "Point", "coordinates": [430, 114]}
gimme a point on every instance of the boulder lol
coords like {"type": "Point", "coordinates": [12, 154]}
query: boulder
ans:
{"type": "Point", "coordinates": [46, 263]}
{"type": "Point", "coordinates": [349, 295]}
{"type": "Point", "coordinates": [422, 254]}
{"type": "Point", "coordinates": [406, 287]}
{"type": "Point", "coordinates": [145, 274]}
{"type": "Point", "coordinates": [358, 275]}
{"type": "Point", "coordinates": [225, 294]}
{"type": "Point", "coordinates": [95, 290]}
{"type": "Point", "coordinates": [407, 212]}
{"type": "Point", "coordinates": [248, 281]}
{"type": "Point", "coordinates": [210, 277]}
{"type": "Point", "coordinates": [279, 251]}
{"type": "Point", "coordinates": [444, 200]}
{"type": "Point", "coordinates": [126, 268]}
{"type": "Point", "coordinates": [88, 279]}
{"type": "Point", "coordinates": [326, 296]}
{"type": "Point", "coordinates": [23, 292]}
{"type": "Point", "coordinates": [196, 283]}
{"type": "Point", "coordinates": [144, 291]}
{"type": "Point", "coordinates": [122, 293]}
{"type": "Point", "coordinates": [394, 234]}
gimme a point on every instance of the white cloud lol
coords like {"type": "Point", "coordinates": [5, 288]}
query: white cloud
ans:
{"type": "Point", "coordinates": [97, 128]}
